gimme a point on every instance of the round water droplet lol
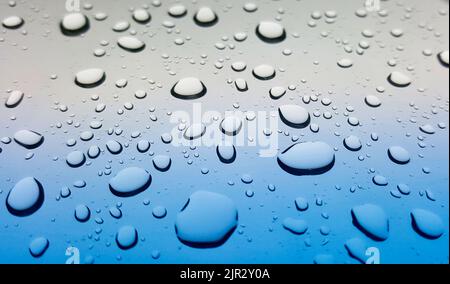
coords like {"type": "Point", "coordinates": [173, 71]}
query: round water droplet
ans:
{"type": "Point", "coordinates": [159, 212]}
{"type": "Point", "coordinates": [82, 213]}
{"type": "Point", "coordinates": [371, 220]}
{"type": "Point", "coordinates": [301, 204]}
{"type": "Point", "coordinates": [25, 198]}
{"type": "Point", "coordinates": [399, 155]}
{"type": "Point", "coordinates": [189, 88]}
{"type": "Point", "coordinates": [114, 147]}
{"type": "Point", "coordinates": [162, 163]}
{"type": "Point", "coordinates": [231, 125]}
{"type": "Point", "coordinates": [207, 220]}
{"type": "Point", "coordinates": [38, 246]}
{"type": "Point", "coordinates": [310, 158]}
{"type": "Point", "coordinates": [427, 224]}
{"type": "Point", "coordinates": [399, 79]}
{"type": "Point", "coordinates": [372, 101]}
{"type": "Point", "coordinates": [130, 43]}
{"type": "Point", "coordinates": [264, 72]}
{"type": "Point", "coordinates": [13, 22]}
{"type": "Point", "coordinates": [294, 116]}
{"type": "Point", "coordinates": [90, 78]}
{"type": "Point", "coordinates": [277, 92]}
{"type": "Point", "coordinates": [205, 17]}
{"type": "Point", "coordinates": [74, 24]}
{"type": "Point", "coordinates": [28, 139]}
{"type": "Point", "coordinates": [141, 16]}
{"type": "Point", "coordinates": [130, 181]}
{"type": "Point", "coordinates": [75, 159]}
{"type": "Point", "coordinates": [270, 32]}
{"type": "Point", "coordinates": [380, 180]}
{"type": "Point", "coordinates": [352, 143]}
{"type": "Point", "coordinates": [127, 237]}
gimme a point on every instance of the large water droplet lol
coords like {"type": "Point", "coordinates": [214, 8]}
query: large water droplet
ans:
{"type": "Point", "coordinates": [195, 131]}
{"type": "Point", "coordinates": [294, 116]}
{"type": "Point", "coordinates": [372, 101]}
{"type": "Point", "coordinates": [74, 24]}
{"type": "Point", "coordinates": [427, 224]}
{"type": "Point", "coordinates": [14, 99]}
{"type": "Point", "coordinates": [189, 88]}
{"type": "Point", "coordinates": [177, 11]}
{"type": "Point", "coordinates": [372, 220]}
{"type": "Point", "coordinates": [28, 139]}
{"type": "Point", "coordinates": [127, 237]}
{"type": "Point", "coordinates": [444, 58]}
{"type": "Point", "coordinates": [352, 143]}
{"type": "Point", "coordinates": [130, 181]}
{"type": "Point", "coordinates": [12, 22]}
{"type": "Point", "coordinates": [270, 32]}
{"type": "Point", "coordinates": [399, 79]}
{"type": "Point", "coordinates": [226, 153]}
{"type": "Point", "coordinates": [82, 213]}
{"type": "Point", "coordinates": [141, 16]}
{"type": "Point", "coordinates": [207, 220]}
{"type": "Point", "coordinates": [75, 159]}
{"type": "Point", "coordinates": [38, 246]}
{"type": "Point", "coordinates": [296, 226]}
{"type": "Point", "coordinates": [162, 163]}
{"type": "Point", "coordinates": [264, 72]}
{"type": "Point", "coordinates": [399, 155]}
{"type": "Point", "coordinates": [130, 43]}
{"type": "Point", "coordinates": [205, 17]}
{"type": "Point", "coordinates": [231, 125]}
{"type": "Point", "coordinates": [25, 198]}
{"type": "Point", "coordinates": [310, 158]}
{"type": "Point", "coordinates": [90, 78]}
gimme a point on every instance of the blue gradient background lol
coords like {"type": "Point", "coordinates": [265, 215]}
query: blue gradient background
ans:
{"type": "Point", "coordinates": [260, 237]}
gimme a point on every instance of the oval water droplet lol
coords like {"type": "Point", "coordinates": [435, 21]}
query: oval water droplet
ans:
{"type": "Point", "coordinates": [310, 158]}
{"type": "Point", "coordinates": [226, 153]}
{"type": "Point", "coordinates": [372, 101]}
{"type": "Point", "coordinates": [399, 155]}
{"type": "Point", "coordinates": [264, 72]}
{"type": "Point", "coordinates": [76, 159]}
{"type": "Point", "coordinates": [294, 116]}
{"type": "Point", "coordinates": [296, 226]}
{"type": "Point", "coordinates": [14, 99]}
{"type": "Point", "coordinates": [352, 143]}
{"type": "Point", "coordinates": [205, 17]}
{"type": "Point", "coordinates": [28, 139]}
{"type": "Point", "coordinates": [141, 16]}
{"type": "Point", "coordinates": [130, 43]}
{"type": "Point", "coordinates": [130, 181]}
{"type": "Point", "coordinates": [90, 78]}
{"type": "Point", "coordinates": [82, 213]}
{"type": "Point", "coordinates": [25, 198]}
{"type": "Point", "coordinates": [231, 125]}
{"type": "Point", "coordinates": [195, 131]}
{"type": "Point", "coordinates": [13, 22]}
{"type": "Point", "coordinates": [74, 24]}
{"type": "Point", "coordinates": [399, 79]}
{"type": "Point", "coordinates": [162, 163]}
{"type": "Point", "coordinates": [444, 58]}
{"type": "Point", "coordinates": [38, 246]}
{"type": "Point", "coordinates": [127, 237]}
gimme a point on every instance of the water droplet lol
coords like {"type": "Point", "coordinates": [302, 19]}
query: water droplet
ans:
{"type": "Point", "coordinates": [90, 78]}
{"type": "Point", "coordinates": [162, 163]}
{"type": "Point", "coordinates": [131, 44]}
{"type": "Point", "coordinates": [310, 158]}
{"type": "Point", "coordinates": [159, 212]}
{"type": "Point", "coordinates": [38, 246]}
{"type": "Point", "coordinates": [195, 131]}
{"type": "Point", "coordinates": [444, 58]}
{"type": "Point", "coordinates": [427, 224]}
{"type": "Point", "coordinates": [177, 11]}
{"type": "Point", "coordinates": [74, 24]}
{"type": "Point", "coordinates": [25, 198]}
{"type": "Point", "coordinates": [345, 63]}
{"type": "Point", "coordinates": [399, 79]}
{"type": "Point", "coordinates": [231, 125]}
{"type": "Point", "coordinates": [207, 220]}
{"type": "Point", "coordinates": [189, 88]}
{"type": "Point", "coordinates": [130, 181]}
{"type": "Point", "coordinates": [427, 129]}
{"type": "Point", "coordinates": [399, 155]}
{"type": "Point", "coordinates": [301, 204]}
{"type": "Point", "coordinates": [226, 153]}
{"type": "Point", "coordinates": [75, 159]}
{"type": "Point", "coordinates": [270, 32]}
{"type": "Point", "coordinates": [264, 72]}
{"type": "Point", "coordinates": [352, 143]}
{"type": "Point", "coordinates": [205, 17]}
{"type": "Point", "coordinates": [372, 101]}
{"type": "Point", "coordinates": [13, 22]}
{"type": "Point", "coordinates": [294, 116]}
{"type": "Point", "coordinates": [121, 26]}
{"type": "Point", "coordinates": [28, 139]}
{"type": "Point", "coordinates": [296, 226]}
{"type": "Point", "coordinates": [141, 16]}
{"type": "Point", "coordinates": [14, 99]}
{"type": "Point", "coordinates": [371, 220]}
{"type": "Point", "coordinates": [127, 237]}
{"type": "Point", "coordinates": [114, 147]}
{"type": "Point", "coordinates": [277, 92]}
{"type": "Point", "coordinates": [380, 180]}
{"type": "Point", "coordinates": [82, 213]}
{"type": "Point", "coordinates": [357, 248]}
